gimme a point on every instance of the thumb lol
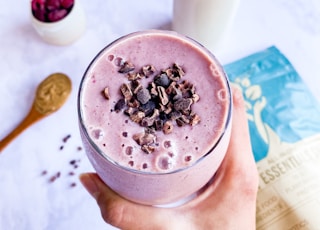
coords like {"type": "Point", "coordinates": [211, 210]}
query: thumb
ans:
{"type": "Point", "coordinates": [120, 212]}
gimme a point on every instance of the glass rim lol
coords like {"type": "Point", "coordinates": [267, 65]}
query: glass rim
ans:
{"type": "Point", "coordinates": [168, 33]}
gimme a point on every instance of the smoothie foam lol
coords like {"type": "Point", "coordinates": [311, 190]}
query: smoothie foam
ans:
{"type": "Point", "coordinates": [189, 154]}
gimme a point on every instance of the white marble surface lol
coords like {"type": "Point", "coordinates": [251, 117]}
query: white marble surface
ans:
{"type": "Point", "coordinates": [27, 200]}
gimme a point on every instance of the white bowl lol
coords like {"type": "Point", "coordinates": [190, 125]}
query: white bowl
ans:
{"type": "Point", "coordinates": [64, 31]}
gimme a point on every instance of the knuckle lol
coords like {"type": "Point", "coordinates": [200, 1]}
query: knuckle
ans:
{"type": "Point", "coordinates": [250, 183]}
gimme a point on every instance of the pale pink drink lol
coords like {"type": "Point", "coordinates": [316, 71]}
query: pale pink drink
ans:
{"type": "Point", "coordinates": [155, 116]}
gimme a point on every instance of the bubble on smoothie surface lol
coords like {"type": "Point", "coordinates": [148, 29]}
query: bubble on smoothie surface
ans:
{"type": "Point", "coordinates": [164, 163]}
{"type": "Point", "coordinates": [144, 165]}
{"type": "Point", "coordinates": [129, 150]}
{"type": "Point", "coordinates": [188, 158]}
{"type": "Point", "coordinates": [118, 61]}
{"type": "Point", "coordinates": [222, 95]}
{"type": "Point", "coordinates": [214, 70]}
{"type": "Point", "coordinates": [97, 134]}
{"type": "Point", "coordinates": [110, 57]}
{"type": "Point", "coordinates": [167, 144]}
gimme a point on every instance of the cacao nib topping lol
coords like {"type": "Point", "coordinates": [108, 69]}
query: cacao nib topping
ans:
{"type": "Point", "coordinates": [162, 80]}
{"type": "Point", "coordinates": [143, 95]}
{"type": "Point", "coordinates": [163, 96]}
{"type": "Point", "coordinates": [148, 108]}
{"type": "Point", "coordinates": [137, 116]}
{"type": "Point", "coordinates": [126, 91]}
{"type": "Point", "coordinates": [126, 67]}
{"type": "Point", "coordinates": [148, 70]}
{"type": "Point", "coordinates": [167, 127]}
{"type": "Point", "coordinates": [106, 93]}
{"type": "Point", "coordinates": [166, 102]}
{"type": "Point", "coordinates": [183, 104]}
{"type": "Point", "coordinates": [120, 105]}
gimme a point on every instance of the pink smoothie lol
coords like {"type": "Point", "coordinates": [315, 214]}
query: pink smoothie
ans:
{"type": "Point", "coordinates": [179, 162]}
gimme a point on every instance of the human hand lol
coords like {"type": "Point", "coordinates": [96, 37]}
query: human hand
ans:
{"type": "Point", "coordinates": [229, 202]}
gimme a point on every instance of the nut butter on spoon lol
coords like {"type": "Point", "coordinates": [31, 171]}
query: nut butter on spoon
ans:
{"type": "Point", "coordinates": [51, 94]}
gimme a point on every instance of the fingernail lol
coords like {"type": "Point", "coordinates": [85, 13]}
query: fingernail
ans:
{"type": "Point", "coordinates": [90, 185]}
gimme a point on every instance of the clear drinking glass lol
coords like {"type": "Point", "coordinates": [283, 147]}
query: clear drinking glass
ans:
{"type": "Point", "coordinates": [136, 184]}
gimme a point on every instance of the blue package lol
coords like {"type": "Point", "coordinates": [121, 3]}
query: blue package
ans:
{"type": "Point", "coordinates": [279, 105]}
{"type": "Point", "coordinates": [284, 123]}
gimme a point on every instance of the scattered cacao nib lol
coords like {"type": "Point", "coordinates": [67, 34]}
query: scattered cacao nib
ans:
{"type": "Point", "coordinates": [61, 147]}
{"type": "Point", "coordinates": [54, 177]}
{"type": "Point", "coordinates": [73, 185]}
{"type": "Point", "coordinates": [66, 138]}
{"type": "Point", "coordinates": [125, 134]}
{"type": "Point", "coordinates": [165, 102]}
{"type": "Point", "coordinates": [44, 172]}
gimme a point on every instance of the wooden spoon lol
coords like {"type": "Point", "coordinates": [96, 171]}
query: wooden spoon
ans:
{"type": "Point", "coordinates": [51, 94]}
